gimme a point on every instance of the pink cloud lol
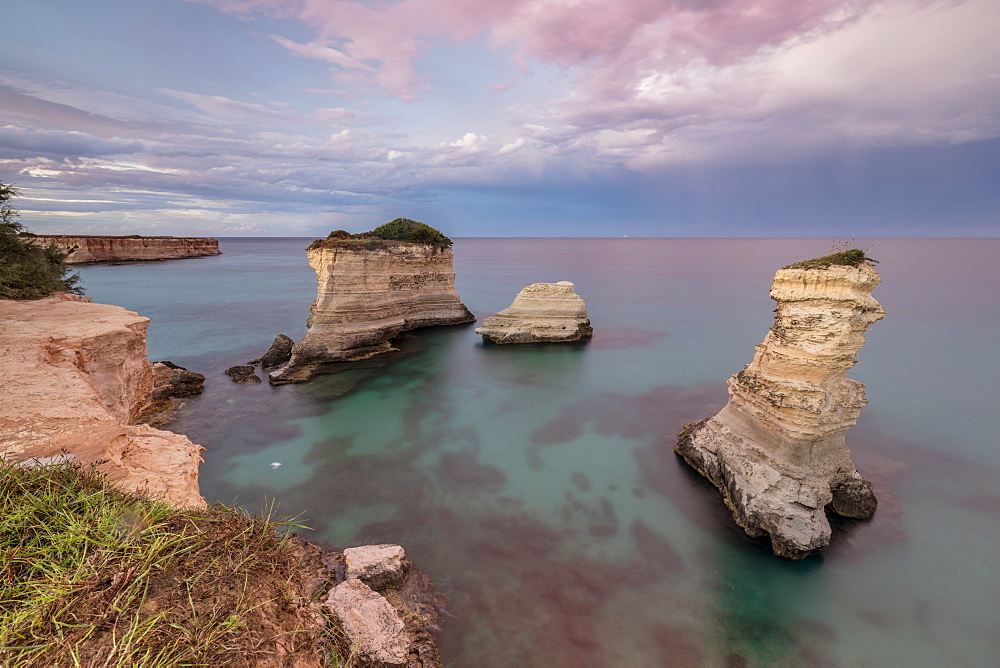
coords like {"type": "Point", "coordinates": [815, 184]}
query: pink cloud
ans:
{"type": "Point", "coordinates": [612, 42]}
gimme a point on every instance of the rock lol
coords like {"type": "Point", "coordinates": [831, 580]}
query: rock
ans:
{"type": "Point", "coordinates": [853, 498]}
{"type": "Point", "coordinates": [86, 249]}
{"type": "Point", "coordinates": [376, 633]}
{"type": "Point", "coordinates": [378, 566]}
{"type": "Point", "coordinates": [182, 383]}
{"type": "Point", "coordinates": [368, 293]}
{"type": "Point", "coordinates": [242, 374]}
{"type": "Point", "coordinates": [777, 451]}
{"type": "Point", "coordinates": [76, 378]}
{"type": "Point", "coordinates": [279, 352]}
{"type": "Point", "coordinates": [541, 312]}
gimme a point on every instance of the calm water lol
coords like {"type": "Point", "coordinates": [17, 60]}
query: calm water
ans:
{"type": "Point", "coordinates": [538, 486]}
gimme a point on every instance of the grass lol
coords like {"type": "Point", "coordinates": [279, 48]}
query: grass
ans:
{"type": "Point", "coordinates": [90, 575]}
{"type": "Point", "coordinates": [852, 258]}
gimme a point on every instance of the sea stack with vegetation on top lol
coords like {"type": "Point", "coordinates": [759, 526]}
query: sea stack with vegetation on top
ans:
{"type": "Point", "coordinates": [777, 450]}
{"type": "Point", "coordinates": [109, 554]}
{"type": "Point", "coordinates": [372, 287]}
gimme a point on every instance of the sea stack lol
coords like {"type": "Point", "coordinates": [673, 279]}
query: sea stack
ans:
{"type": "Point", "coordinates": [777, 450]}
{"type": "Point", "coordinates": [370, 290]}
{"type": "Point", "coordinates": [541, 313]}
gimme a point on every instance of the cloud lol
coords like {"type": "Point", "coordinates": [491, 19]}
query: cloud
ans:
{"type": "Point", "coordinates": [27, 143]}
{"type": "Point", "coordinates": [511, 147]}
{"type": "Point", "coordinates": [703, 76]}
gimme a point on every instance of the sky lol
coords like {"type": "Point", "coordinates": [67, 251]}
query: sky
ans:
{"type": "Point", "coordinates": [706, 118]}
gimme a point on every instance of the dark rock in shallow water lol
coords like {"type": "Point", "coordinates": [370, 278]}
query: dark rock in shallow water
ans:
{"type": "Point", "coordinates": [181, 382]}
{"type": "Point", "coordinates": [279, 352]}
{"type": "Point", "coordinates": [242, 374]}
{"type": "Point", "coordinates": [854, 498]}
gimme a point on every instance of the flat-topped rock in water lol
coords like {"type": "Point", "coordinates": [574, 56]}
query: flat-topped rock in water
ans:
{"type": "Point", "coordinates": [85, 249]}
{"type": "Point", "coordinates": [369, 291]}
{"type": "Point", "coordinates": [777, 451]}
{"type": "Point", "coordinates": [76, 378]}
{"type": "Point", "coordinates": [541, 313]}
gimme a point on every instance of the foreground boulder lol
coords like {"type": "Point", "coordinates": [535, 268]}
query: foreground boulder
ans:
{"type": "Point", "coordinates": [369, 291]}
{"type": "Point", "coordinates": [777, 451]}
{"type": "Point", "coordinates": [541, 313]}
{"type": "Point", "coordinates": [378, 566]}
{"type": "Point", "coordinates": [377, 634]}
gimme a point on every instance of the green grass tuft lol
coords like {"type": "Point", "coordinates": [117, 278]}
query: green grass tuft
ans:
{"type": "Point", "coordinates": [90, 575]}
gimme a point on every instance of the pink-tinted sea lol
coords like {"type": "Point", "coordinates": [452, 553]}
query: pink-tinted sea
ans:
{"type": "Point", "coordinates": [538, 487]}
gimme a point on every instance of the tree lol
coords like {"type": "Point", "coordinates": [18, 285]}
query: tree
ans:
{"type": "Point", "coordinates": [28, 270]}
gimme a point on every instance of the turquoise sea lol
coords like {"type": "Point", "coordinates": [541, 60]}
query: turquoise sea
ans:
{"type": "Point", "coordinates": [538, 486]}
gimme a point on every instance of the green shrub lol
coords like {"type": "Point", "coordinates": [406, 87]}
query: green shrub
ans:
{"type": "Point", "coordinates": [401, 229]}
{"type": "Point", "coordinates": [27, 270]}
{"type": "Point", "coordinates": [404, 229]}
{"type": "Point", "coordinates": [851, 258]}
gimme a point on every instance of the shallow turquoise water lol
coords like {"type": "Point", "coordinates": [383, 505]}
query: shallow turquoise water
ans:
{"type": "Point", "coordinates": [538, 487]}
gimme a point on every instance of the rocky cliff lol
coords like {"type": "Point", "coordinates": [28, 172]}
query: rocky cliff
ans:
{"type": "Point", "coordinates": [777, 450]}
{"type": "Point", "coordinates": [369, 292]}
{"type": "Point", "coordinates": [541, 313]}
{"type": "Point", "coordinates": [84, 249]}
{"type": "Point", "coordinates": [76, 378]}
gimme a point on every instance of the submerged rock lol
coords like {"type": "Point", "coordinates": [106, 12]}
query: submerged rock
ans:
{"type": "Point", "coordinates": [777, 451]}
{"type": "Point", "coordinates": [541, 313]}
{"type": "Point", "coordinates": [369, 291]}
{"type": "Point", "coordinates": [242, 374]}
{"type": "Point", "coordinates": [279, 352]}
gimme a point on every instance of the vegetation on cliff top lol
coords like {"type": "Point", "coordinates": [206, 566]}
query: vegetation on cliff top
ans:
{"type": "Point", "coordinates": [400, 229]}
{"type": "Point", "coordinates": [851, 258]}
{"type": "Point", "coordinates": [90, 575]}
{"type": "Point", "coordinates": [28, 270]}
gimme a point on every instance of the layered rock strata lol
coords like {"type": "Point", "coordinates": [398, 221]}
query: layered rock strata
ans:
{"type": "Point", "coordinates": [777, 450]}
{"type": "Point", "coordinates": [87, 249]}
{"type": "Point", "coordinates": [368, 295]}
{"type": "Point", "coordinates": [541, 313]}
{"type": "Point", "coordinates": [76, 378]}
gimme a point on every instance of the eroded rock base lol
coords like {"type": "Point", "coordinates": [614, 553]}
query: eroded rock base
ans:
{"type": "Point", "coordinates": [777, 451]}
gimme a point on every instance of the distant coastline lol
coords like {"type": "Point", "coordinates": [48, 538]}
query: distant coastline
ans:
{"type": "Point", "coordinates": [87, 249]}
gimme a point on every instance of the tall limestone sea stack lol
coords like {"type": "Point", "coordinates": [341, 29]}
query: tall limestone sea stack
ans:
{"type": "Point", "coordinates": [777, 451]}
{"type": "Point", "coordinates": [371, 288]}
